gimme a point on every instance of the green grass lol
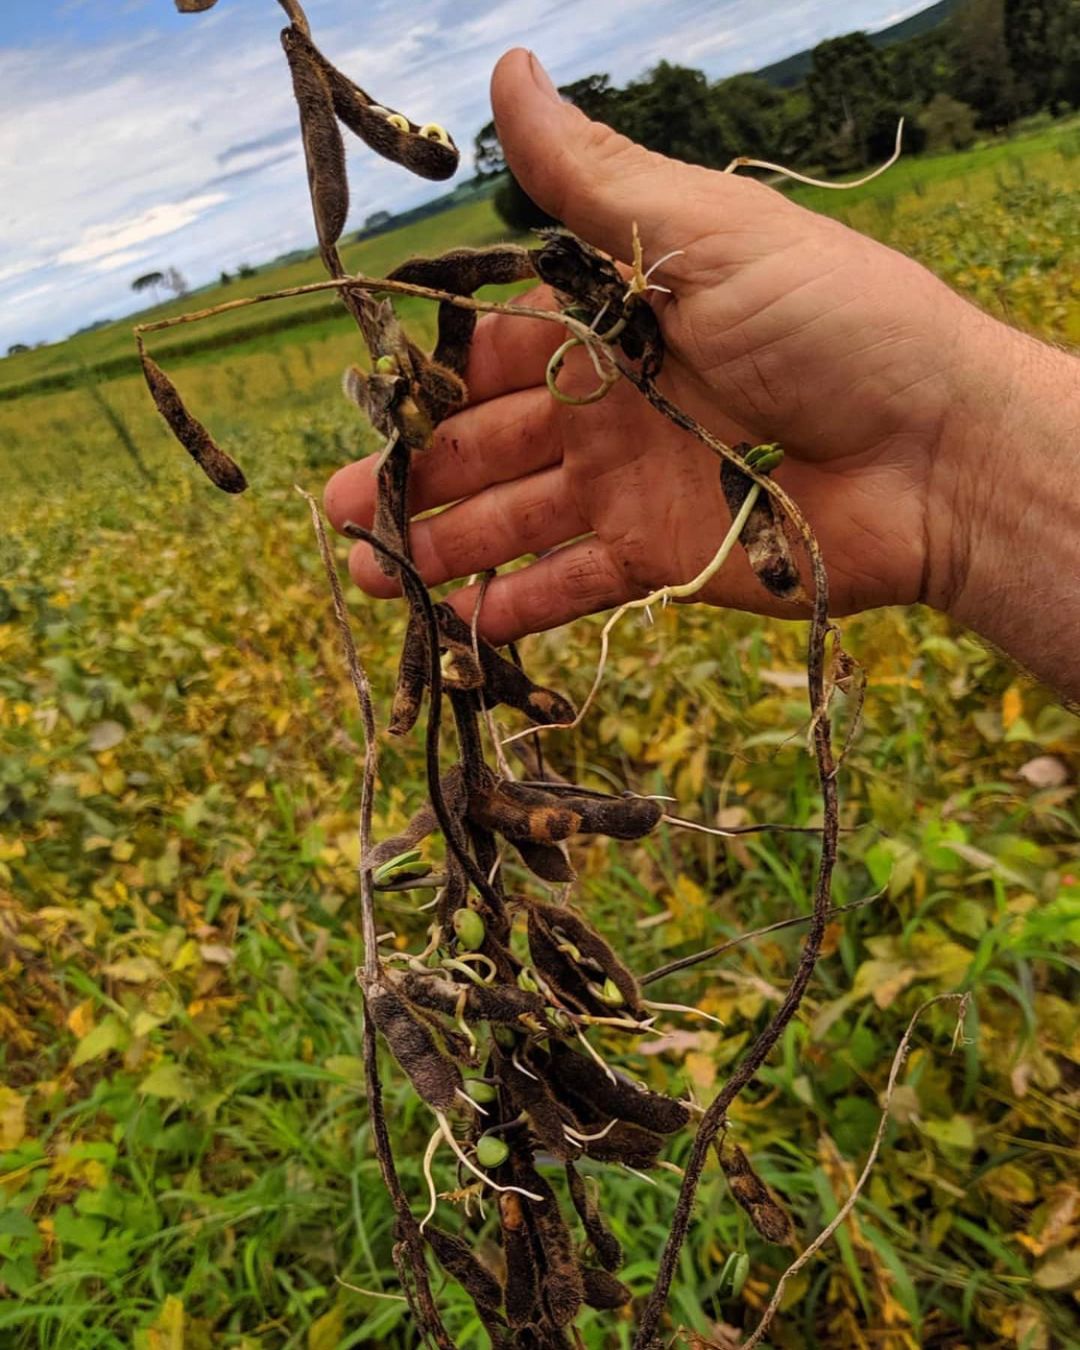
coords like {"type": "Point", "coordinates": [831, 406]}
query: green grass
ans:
{"type": "Point", "coordinates": [184, 1150]}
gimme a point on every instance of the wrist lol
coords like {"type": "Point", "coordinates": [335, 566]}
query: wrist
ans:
{"type": "Point", "coordinates": [1003, 532]}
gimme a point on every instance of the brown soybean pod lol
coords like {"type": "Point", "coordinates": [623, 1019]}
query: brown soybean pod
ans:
{"type": "Point", "coordinates": [652, 1110]}
{"type": "Point", "coordinates": [605, 1244]}
{"type": "Point", "coordinates": [434, 1075]}
{"type": "Point", "coordinates": [324, 150]}
{"type": "Point", "coordinates": [521, 1291]}
{"type": "Point", "coordinates": [219, 467]}
{"type": "Point", "coordinates": [457, 1259]}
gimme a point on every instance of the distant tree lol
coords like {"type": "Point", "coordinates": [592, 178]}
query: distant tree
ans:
{"type": "Point", "coordinates": [377, 220]}
{"type": "Point", "coordinates": [920, 67]}
{"type": "Point", "coordinates": [246, 270]}
{"type": "Point", "coordinates": [17, 348]}
{"type": "Point", "coordinates": [176, 282]}
{"type": "Point", "coordinates": [1063, 34]}
{"type": "Point", "coordinates": [225, 279]}
{"type": "Point", "coordinates": [948, 123]}
{"type": "Point", "coordinates": [851, 99]}
{"type": "Point", "coordinates": [149, 281]}
{"type": "Point", "coordinates": [982, 74]}
{"type": "Point", "coordinates": [749, 116]}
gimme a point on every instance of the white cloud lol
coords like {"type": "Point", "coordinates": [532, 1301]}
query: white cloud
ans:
{"type": "Point", "coordinates": [118, 260]}
{"type": "Point", "coordinates": [99, 241]}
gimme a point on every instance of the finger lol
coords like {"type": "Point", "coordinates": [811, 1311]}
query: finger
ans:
{"type": "Point", "coordinates": [496, 442]}
{"type": "Point", "coordinates": [581, 578]}
{"type": "Point", "coordinates": [529, 515]}
{"type": "Point", "coordinates": [509, 353]}
{"type": "Point", "coordinates": [598, 183]}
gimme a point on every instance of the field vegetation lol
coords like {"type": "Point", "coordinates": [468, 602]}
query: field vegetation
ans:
{"type": "Point", "coordinates": [185, 1159]}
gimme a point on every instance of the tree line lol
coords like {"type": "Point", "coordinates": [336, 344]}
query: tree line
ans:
{"type": "Point", "coordinates": [989, 64]}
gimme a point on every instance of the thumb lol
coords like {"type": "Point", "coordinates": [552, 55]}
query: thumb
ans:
{"type": "Point", "coordinates": [592, 179]}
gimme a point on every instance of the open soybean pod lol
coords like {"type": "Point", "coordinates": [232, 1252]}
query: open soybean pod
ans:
{"type": "Point", "coordinates": [427, 150]}
{"type": "Point", "coordinates": [433, 1074]}
{"type": "Point", "coordinates": [324, 150]}
{"type": "Point", "coordinates": [569, 931]}
{"type": "Point", "coordinates": [220, 468]}
{"type": "Point", "coordinates": [733, 1275]}
{"type": "Point", "coordinates": [763, 538]}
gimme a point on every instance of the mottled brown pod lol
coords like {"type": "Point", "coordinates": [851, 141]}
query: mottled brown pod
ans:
{"type": "Point", "coordinates": [503, 681]}
{"type": "Point", "coordinates": [594, 959]}
{"type": "Point", "coordinates": [767, 1215]}
{"type": "Point", "coordinates": [522, 1285]}
{"type": "Point", "coordinates": [222, 470]}
{"type": "Point", "coordinates": [767, 547]}
{"type": "Point", "coordinates": [561, 1286]}
{"type": "Point", "coordinates": [194, 6]}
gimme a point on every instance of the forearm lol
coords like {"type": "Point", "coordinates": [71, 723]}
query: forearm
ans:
{"type": "Point", "coordinates": [1014, 574]}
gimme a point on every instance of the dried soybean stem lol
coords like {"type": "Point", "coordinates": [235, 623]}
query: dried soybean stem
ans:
{"type": "Point", "coordinates": [849, 1204]}
{"type": "Point", "coordinates": [422, 1300]}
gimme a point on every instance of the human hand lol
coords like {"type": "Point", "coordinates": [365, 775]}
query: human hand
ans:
{"type": "Point", "coordinates": [781, 325]}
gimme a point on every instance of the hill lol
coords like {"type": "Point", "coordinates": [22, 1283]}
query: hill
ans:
{"type": "Point", "coordinates": [792, 70]}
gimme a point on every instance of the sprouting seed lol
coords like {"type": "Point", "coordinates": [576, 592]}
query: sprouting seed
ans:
{"type": "Point", "coordinates": [469, 929]}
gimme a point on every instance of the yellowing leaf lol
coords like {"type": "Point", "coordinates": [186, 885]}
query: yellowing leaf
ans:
{"type": "Point", "coordinates": [325, 1332]}
{"type": "Point", "coordinates": [110, 1034]}
{"type": "Point", "coordinates": [81, 1018]}
{"type": "Point", "coordinates": [12, 1118]}
{"type": "Point", "coordinates": [1012, 705]}
{"type": "Point", "coordinates": [1060, 1270]}
{"type": "Point", "coordinates": [134, 970]}
{"type": "Point", "coordinates": [167, 1332]}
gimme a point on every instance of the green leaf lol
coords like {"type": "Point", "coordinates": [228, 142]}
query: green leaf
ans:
{"type": "Point", "coordinates": [169, 1082]}
{"type": "Point", "coordinates": [110, 1034]}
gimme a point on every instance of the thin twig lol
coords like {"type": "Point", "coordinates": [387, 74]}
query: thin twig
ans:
{"type": "Point", "coordinates": [849, 1204]}
{"type": "Point", "coordinates": [685, 962]}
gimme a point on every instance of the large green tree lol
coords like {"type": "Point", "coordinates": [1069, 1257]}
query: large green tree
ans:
{"type": "Point", "coordinates": [852, 102]}
{"type": "Point", "coordinates": [982, 71]}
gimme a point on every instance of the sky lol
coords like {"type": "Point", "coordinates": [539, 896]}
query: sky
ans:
{"type": "Point", "coordinates": [135, 139]}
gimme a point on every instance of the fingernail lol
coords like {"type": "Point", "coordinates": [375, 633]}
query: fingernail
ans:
{"type": "Point", "coordinates": [542, 79]}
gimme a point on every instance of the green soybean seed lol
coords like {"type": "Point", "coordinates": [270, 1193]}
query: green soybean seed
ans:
{"type": "Point", "coordinates": [386, 365]}
{"type": "Point", "coordinates": [490, 1151]}
{"type": "Point", "coordinates": [480, 1090]}
{"type": "Point", "coordinates": [469, 929]}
